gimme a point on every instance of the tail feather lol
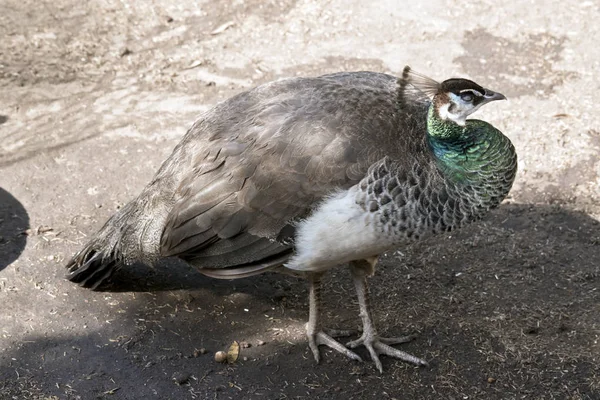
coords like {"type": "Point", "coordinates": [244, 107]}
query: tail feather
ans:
{"type": "Point", "coordinates": [106, 251]}
{"type": "Point", "coordinates": [132, 234]}
{"type": "Point", "coordinates": [90, 268]}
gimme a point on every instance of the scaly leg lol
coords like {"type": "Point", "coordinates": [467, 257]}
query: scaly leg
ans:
{"type": "Point", "coordinates": [370, 339]}
{"type": "Point", "coordinates": [314, 331]}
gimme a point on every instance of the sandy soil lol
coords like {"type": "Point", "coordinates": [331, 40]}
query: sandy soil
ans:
{"type": "Point", "coordinates": [94, 95]}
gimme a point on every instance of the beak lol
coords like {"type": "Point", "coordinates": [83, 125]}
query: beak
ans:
{"type": "Point", "coordinates": [491, 96]}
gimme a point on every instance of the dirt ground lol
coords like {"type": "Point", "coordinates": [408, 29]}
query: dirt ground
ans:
{"type": "Point", "coordinates": [94, 95]}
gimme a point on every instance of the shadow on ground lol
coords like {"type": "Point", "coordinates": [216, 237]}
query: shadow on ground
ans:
{"type": "Point", "coordinates": [505, 309]}
{"type": "Point", "coordinates": [14, 221]}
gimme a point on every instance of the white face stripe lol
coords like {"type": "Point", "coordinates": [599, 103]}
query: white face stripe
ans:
{"type": "Point", "coordinates": [475, 92]}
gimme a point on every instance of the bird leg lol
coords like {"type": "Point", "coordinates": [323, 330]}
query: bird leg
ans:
{"type": "Point", "coordinates": [370, 339]}
{"type": "Point", "coordinates": [314, 331]}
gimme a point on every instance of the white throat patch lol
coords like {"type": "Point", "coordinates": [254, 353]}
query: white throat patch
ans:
{"type": "Point", "coordinates": [459, 118]}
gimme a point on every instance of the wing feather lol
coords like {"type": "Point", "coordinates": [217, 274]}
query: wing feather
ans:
{"type": "Point", "coordinates": [268, 156]}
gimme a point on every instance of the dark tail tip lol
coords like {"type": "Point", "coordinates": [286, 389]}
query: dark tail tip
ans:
{"type": "Point", "coordinates": [403, 80]}
{"type": "Point", "coordinates": [402, 85]}
{"type": "Point", "coordinates": [90, 269]}
{"type": "Point", "coordinates": [405, 71]}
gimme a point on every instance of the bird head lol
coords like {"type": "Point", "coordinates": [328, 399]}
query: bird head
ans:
{"type": "Point", "coordinates": [458, 98]}
{"type": "Point", "coordinates": [454, 99]}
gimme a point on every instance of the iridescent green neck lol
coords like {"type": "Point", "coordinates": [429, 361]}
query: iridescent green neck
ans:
{"type": "Point", "coordinates": [461, 151]}
{"type": "Point", "coordinates": [442, 129]}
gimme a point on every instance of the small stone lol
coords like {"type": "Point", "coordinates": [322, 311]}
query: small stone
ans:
{"type": "Point", "coordinates": [491, 380]}
{"type": "Point", "coordinates": [220, 356]}
{"type": "Point", "coordinates": [261, 343]}
{"type": "Point", "coordinates": [245, 345]}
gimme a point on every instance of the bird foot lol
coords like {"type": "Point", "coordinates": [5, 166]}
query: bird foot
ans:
{"type": "Point", "coordinates": [378, 346]}
{"type": "Point", "coordinates": [321, 338]}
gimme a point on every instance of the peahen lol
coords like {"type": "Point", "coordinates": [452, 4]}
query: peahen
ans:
{"type": "Point", "coordinates": [304, 174]}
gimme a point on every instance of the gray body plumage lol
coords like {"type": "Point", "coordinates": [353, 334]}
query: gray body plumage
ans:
{"type": "Point", "coordinates": [233, 194]}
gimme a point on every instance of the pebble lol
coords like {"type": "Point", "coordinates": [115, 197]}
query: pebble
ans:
{"type": "Point", "coordinates": [220, 356]}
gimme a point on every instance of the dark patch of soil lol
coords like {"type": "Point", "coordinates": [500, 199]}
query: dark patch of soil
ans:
{"type": "Point", "coordinates": [504, 309]}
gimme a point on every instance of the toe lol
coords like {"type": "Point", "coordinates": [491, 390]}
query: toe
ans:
{"type": "Point", "coordinates": [383, 348]}
{"type": "Point", "coordinates": [355, 343]}
{"type": "Point", "coordinates": [321, 338]}
{"type": "Point", "coordinates": [398, 340]}
{"type": "Point", "coordinates": [375, 357]}
{"type": "Point", "coordinates": [315, 349]}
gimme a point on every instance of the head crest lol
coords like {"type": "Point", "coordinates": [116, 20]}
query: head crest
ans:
{"type": "Point", "coordinates": [414, 81]}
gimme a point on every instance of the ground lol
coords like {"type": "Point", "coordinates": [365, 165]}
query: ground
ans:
{"type": "Point", "coordinates": [94, 95]}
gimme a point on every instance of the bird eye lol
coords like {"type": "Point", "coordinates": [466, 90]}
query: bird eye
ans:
{"type": "Point", "coordinates": [466, 97]}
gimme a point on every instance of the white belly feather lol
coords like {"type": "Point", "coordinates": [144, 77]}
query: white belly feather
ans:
{"type": "Point", "coordinates": [338, 231]}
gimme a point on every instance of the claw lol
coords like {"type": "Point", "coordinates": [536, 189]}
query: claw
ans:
{"type": "Point", "coordinates": [374, 357]}
{"type": "Point", "coordinates": [321, 338]}
{"type": "Point", "coordinates": [316, 335]}
{"type": "Point", "coordinates": [394, 340]}
{"type": "Point", "coordinates": [370, 339]}
{"type": "Point", "coordinates": [381, 346]}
